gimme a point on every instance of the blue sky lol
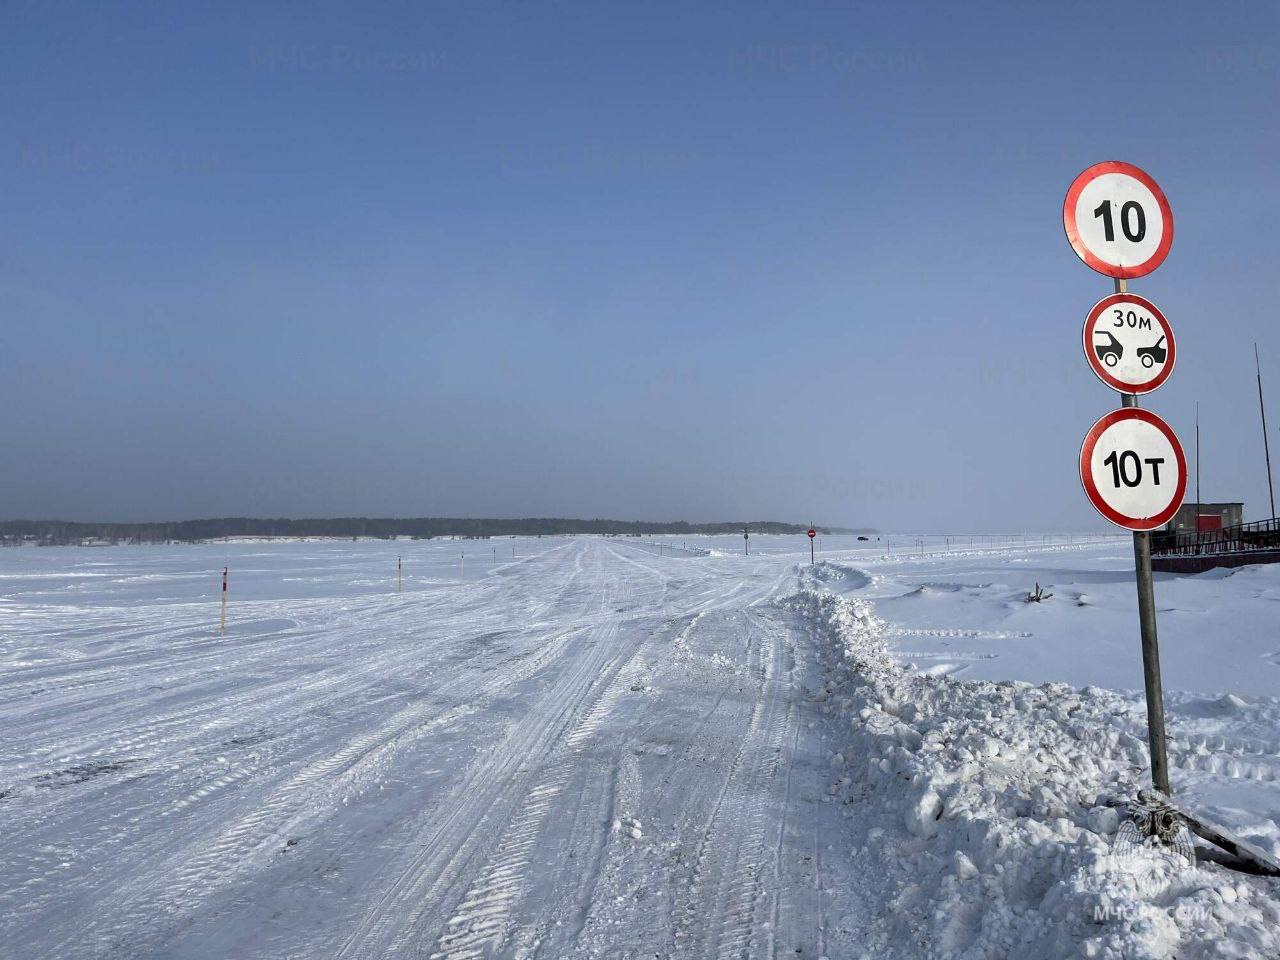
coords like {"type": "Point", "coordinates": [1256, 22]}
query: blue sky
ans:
{"type": "Point", "coordinates": [708, 261]}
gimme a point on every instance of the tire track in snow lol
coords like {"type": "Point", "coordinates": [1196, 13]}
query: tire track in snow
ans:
{"type": "Point", "coordinates": [170, 741]}
{"type": "Point", "coordinates": [484, 806]}
{"type": "Point", "coordinates": [307, 796]}
{"type": "Point", "coordinates": [481, 920]}
{"type": "Point", "coordinates": [484, 882]}
{"type": "Point", "coordinates": [721, 911]}
{"type": "Point", "coordinates": [355, 704]}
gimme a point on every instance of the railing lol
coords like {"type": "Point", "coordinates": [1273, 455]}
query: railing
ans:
{"type": "Point", "coordinates": [1243, 538]}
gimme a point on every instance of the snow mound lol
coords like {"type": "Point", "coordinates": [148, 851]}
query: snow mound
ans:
{"type": "Point", "coordinates": [992, 815]}
{"type": "Point", "coordinates": [829, 572]}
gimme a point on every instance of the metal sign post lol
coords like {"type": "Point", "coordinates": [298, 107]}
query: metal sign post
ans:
{"type": "Point", "coordinates": [812, 533]}
{"type": "Point", "coordinates": [746, 542]}
{"type": "Point", "coordinates": [1132, 467]}
{"type": "Point", "coordinates": [1150, 658]}
{"type": "Point", "coordinates": [1135, 473]}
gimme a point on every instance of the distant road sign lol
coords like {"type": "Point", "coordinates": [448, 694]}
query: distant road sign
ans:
{"type": "Point", "coordinates": [1133, 469]}
{"type": "Point", "coordinates": [1129, 343]}
{"type": "Point", "coordinates": [812, 533]}
{"type": "Point", "coordinates": [1118, 220]}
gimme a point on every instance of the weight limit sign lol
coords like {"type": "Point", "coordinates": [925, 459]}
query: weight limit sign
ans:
{"type": "Point", "coordinates": [1133, 469]}
{"type": "Point", "coordinates": [1129, 344]}
{"type": "Point", "coordinates": [1118, 220]}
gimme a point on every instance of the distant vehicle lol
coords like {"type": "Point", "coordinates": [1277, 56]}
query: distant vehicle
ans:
{"type": "Point", "coordinates": [1152, 355]}
{"type": "Point", "coordinates": [864, 538]}
{"type": "Point", "coordinates": [1109, 353]}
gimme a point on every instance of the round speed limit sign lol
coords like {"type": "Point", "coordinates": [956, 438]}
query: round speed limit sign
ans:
{"type": "Point", "coordinates": [1128, 343]}
{"type": "Point", "coordinates": [1133, 469]}
{"type": "Point", "coordinates": [1118, 220]}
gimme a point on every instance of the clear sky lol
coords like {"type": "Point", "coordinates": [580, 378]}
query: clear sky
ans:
{"type": "Point", "coordinates": [708, 261]}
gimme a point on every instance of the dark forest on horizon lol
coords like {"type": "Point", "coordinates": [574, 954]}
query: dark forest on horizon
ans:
{"type": "Point", "coordinates": [61, 532]}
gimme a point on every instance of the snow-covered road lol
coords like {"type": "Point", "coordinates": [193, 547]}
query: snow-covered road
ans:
{"type": "Point", "coordinates": [588, 750]}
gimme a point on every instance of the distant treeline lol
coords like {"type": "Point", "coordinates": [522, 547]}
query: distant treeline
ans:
{"type": "Point", "coordinates": [67, 532]}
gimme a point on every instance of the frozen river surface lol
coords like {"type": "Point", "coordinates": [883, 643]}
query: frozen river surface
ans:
{"type": "Point", "coordinates": [555, 748]}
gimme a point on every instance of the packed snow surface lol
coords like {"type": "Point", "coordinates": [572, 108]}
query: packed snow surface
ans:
{"type": "Point", "coordinates": [612, 748]}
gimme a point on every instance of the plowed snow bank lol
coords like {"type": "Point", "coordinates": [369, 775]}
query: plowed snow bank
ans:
{"type": "Point", "coordinates": [990, 810]}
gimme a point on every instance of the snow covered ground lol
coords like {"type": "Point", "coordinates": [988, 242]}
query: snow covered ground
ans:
{"type": "Point", "coordinates": [602, 748]}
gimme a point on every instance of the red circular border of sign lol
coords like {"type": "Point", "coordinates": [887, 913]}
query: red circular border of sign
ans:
{"type": "Point", "coordinates": [1096, 364]}
{"type": "Point", "coordinates": [812, 533]}
{"type": "Point", "coordinates": [1091, 490]}
{"type": "Point", "coordinates": [1073, 233]}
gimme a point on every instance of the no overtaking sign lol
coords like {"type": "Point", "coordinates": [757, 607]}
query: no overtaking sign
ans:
{"type": "Point", "coordinates": [1129, 344]}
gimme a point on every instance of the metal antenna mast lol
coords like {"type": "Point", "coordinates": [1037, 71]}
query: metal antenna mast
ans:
{"type": "Point", "coordinates": [1266, 446]}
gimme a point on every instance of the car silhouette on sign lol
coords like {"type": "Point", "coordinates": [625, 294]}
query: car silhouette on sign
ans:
{"type": "Point", "coordinates": [1152, 355]}
{"type": "Point", "coordinates": [1111, 351]}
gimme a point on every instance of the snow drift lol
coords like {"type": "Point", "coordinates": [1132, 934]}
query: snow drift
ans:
{"type": "Point", "coordinates": [991, 809]}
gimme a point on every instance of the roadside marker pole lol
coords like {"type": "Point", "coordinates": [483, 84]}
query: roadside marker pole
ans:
{"type": "Point", "coordinates": [222, 629]}
{"type": "Point", "coordinates": [746, 541]}
{"type": "Point", "coordinates": [399, 575]}
{"type": "Point", "coordinates": [462, 561]}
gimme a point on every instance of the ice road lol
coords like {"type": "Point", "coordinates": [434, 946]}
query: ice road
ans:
{"type": "Point", "coordinates": [587, 750]}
